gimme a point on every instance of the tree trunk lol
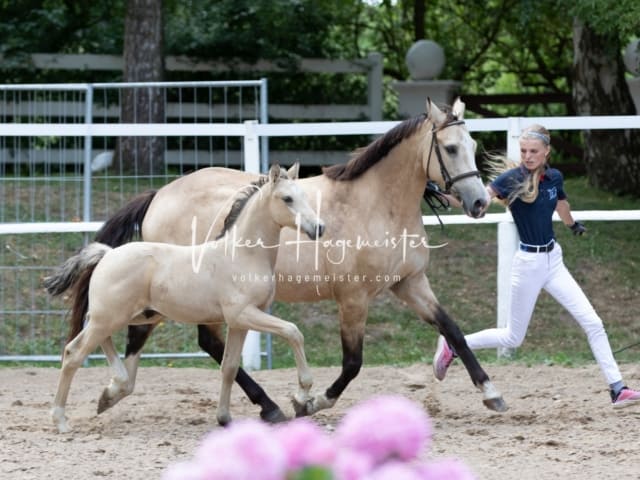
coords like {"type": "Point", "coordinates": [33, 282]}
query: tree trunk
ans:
{"type": "Point", "coordinates": [419, 12]}
{"type": "Point", "coordinates": [143, 62]}
{"type": "Point", "coordinates": [612, 157]}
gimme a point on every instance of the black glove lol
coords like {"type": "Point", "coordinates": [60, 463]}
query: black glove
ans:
{"type": "Point", "coordinates": [577, 228]}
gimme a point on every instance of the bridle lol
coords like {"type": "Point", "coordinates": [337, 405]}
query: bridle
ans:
{"type": "Point", "coordinates": [448, 179]}
{"type": "Point", "coordinates": [432, 193]}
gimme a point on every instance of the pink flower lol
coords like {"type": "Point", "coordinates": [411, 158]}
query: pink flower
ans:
{"type": "Point", "coordinates": [449, 469]}
{"type": "Point", "coordinates": [385, 427]}
{"type": "Point", "coordinates": [397, 471]}
{"type": "Point", "coordinates": [351, 465]}
{"type": "Point", "coordinates": [243, 451]}
{"type": "Point", "coordinates": [184, 471]}
{"type": "Point", "coordinates": [305, 444]}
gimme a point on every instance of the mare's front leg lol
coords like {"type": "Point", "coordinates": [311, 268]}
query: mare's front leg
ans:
{"type": "Point", "coordinates": [353, 317]}
{"type": "Point", "coordinates": [417, 293]}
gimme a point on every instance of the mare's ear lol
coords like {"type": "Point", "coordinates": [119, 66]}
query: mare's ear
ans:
{"type": "Point", "coordinates": [437, 116]}
{"type": "Point", "coordinates": [293, 171]}
{"type": "Point", "coordinates": [458, 108]}
{"type": "Point", "coordinates": [274, 173]}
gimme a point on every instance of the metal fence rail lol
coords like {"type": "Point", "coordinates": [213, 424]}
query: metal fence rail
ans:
{"type": "Point", "coordinates": [64, 178]}
{"type": "Point", "coordinates": [31, 324]}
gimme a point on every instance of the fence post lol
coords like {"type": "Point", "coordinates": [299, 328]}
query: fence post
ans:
{"type": "Point", "coordinates": [507, 243]}
{"type": "Point", "coordinates": [264, 119]}
{"type": "Point", "coordinates": [88, 145]}
{"type": "Point", "coordinates": [374, 91]}
{"type": "Point", "coordinates": [251, 352]}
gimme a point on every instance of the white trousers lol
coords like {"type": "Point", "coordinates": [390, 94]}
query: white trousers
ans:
{"type": "Point", "coordinates": [530, 273]}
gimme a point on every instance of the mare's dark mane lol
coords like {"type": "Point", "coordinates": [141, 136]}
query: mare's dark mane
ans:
{"type": "Point", "coordinates": [240, 202]}
{"type": "Point", "coordinates": [364, 158]}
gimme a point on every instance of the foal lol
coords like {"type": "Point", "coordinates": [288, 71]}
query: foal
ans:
{"type": "Point", "coordinates": [231, 278]}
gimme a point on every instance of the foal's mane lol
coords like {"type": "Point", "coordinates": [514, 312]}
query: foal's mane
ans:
{"type": "Point", "coordinates": [239, 203]}
{"type": "Point", "coordinates": [366, 157]}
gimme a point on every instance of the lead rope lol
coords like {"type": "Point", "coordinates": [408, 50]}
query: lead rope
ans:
{"type": "Point", "coordinates": [436, 200]}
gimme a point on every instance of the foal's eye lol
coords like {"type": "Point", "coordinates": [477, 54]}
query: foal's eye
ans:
{"type": "Point", "coordinates": [451, 149]}
{"type": "Point", "coordinates": [288, 200]}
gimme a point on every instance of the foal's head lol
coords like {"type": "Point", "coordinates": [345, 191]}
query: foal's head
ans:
{"type": "Point", "coordinates": [288, 204]}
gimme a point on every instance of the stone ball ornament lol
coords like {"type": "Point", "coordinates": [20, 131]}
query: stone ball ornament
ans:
{"type": "Point", "coordinates": [425, 60]}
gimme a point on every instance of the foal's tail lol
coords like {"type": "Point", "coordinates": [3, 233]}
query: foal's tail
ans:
{"type": "Point", "coordinates": [121, 228]}
{"type": "Point", "coordinates": [75, 274]}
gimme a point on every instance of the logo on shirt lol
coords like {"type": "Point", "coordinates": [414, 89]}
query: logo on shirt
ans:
{"type": "Point", "coordinates": [553, 193]}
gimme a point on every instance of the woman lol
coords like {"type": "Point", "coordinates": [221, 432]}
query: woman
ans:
{"type": "Point", "coordinates": [533, 191]}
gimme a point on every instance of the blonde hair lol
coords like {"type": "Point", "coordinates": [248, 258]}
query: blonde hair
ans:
{"type": "Point", "coordinates": [527, 190]}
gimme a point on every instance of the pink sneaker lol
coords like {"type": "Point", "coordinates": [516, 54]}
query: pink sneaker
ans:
{"type": "Point", "coordinates": [626, 397]}
{"type": "Point", "coordinates": [442, 359]}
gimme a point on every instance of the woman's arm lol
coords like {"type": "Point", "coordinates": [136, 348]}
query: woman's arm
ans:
{"type": "Point", "coordinates": [564, 211]}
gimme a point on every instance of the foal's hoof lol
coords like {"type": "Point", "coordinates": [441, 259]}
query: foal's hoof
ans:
{"type": "Point", "coordinates": [496, 404]}
{"type": "Point", "coordinates": [273, 416]}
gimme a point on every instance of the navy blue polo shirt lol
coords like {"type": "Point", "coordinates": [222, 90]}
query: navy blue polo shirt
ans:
{"type": "Point", "coordinates": [533, 220]}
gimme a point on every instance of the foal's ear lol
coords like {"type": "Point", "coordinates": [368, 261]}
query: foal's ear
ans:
{"type": "Point", "coordinates": [437, 116]}
{"type": "Point", "coordinates": [293, 171]}
{"type": "Point", "coordinates": [458, 108]}
{"type": "Point", "coordinates": [274, 173]}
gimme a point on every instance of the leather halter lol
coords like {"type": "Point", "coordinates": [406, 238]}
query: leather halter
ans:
{"type": "Point", "coordinates": [448, 179]}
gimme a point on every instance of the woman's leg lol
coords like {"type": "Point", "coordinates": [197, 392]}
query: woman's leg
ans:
{"type": "Point", "coordinates": [528, 274]}
{"type": "Point", "coordinates": [563, 287]}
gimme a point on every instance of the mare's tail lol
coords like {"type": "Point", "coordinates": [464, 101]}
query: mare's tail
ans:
{"type": "Point", "coordinates": [75, 274]}
{"type": "Point", "coordinates": [123, 226]}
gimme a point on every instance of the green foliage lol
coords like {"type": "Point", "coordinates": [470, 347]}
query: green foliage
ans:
{"type": "Point", "coordinates": [250, 29]}
{"type": "Point", "coordinates": [607, 17]}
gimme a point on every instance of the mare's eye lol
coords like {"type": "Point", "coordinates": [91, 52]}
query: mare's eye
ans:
{"type": "Point", "coordinates": [451, 149]}
{"type": "Point", "coordinates": [288, 200]}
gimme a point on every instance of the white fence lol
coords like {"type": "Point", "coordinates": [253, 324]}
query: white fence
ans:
{"type": "Point", "coordinates": [252, 132]}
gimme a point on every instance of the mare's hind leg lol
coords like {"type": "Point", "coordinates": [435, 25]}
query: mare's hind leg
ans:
{"type": "Point", "coordinates": [417, 293]}
{"type": "Point", "coordinates": [210, 340]}
{"type": "Point", "coordinates": [353, 317]}
{"type": "Point", "coordinates": [74, 354]}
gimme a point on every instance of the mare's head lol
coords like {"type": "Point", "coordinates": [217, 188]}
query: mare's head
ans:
{"type": "Point", "coordinates": [288, 204]}
{"type": "Point", "coordinates": [449, 158]}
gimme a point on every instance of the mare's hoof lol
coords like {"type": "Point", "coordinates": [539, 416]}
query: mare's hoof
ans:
{"type": "Point", "coordinates": [496, 404]}
{"type": "Point", "coordinates": [105, 402]}
{"type": "Point", "coordinates": [301, 409]}
{"type": "Point", "coordinates": [273, 416]}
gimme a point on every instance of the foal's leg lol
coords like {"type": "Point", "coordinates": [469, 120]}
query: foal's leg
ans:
{"type": "Point", "coordinates": [121, 383]}
{"type": "Point", "coordinates": [137, 335]}
{"type": "Point", "coordinates": [74, 354]}
{"type": "Point", "coordinates": [210, 340]}
{"type": "Point", "coordinates": [252, 318]}
{"type": "Point", "coordinates": [229, 369]}
{"type": "Point", "coordinates": [417, 293]}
